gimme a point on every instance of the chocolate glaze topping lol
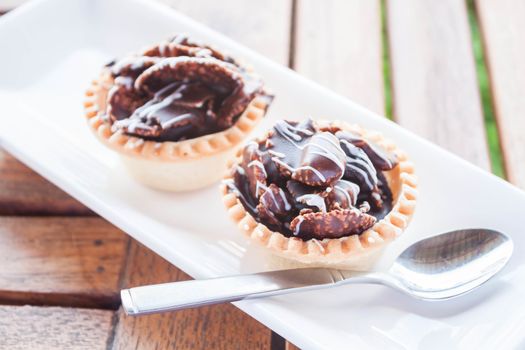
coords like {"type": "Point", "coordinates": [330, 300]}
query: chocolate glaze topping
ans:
{"type": "Point", "coordinates": [312, 182]}
{"type": "Point", "coordinates": [179, 90]}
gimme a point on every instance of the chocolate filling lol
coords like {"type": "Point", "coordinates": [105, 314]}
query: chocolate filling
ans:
{"type": "Point", "coordinates": [312, 182]}
{"type": "Point", "coordinates": [179, 90]}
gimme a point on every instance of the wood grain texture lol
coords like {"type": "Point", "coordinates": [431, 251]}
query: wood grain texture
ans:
{"type": "Point", "coordinates": [212, 327]}
{"type": "Point", "coordinates": [42, 328]}
{"type": "Point", "coordinates": [60, 261]}
{"type": "Point", "coordinates": [434, 79]}
{"type": "Point", "coordinates": [338, 44]}
{"type": "Point", "coordinates": [22, 191]}
{"type": "Point", "coordinates": [502, 25]}
{"type": "Point", "coordinates": [290, 346]}
{"type": "Point", "coordinates": [264, 27]}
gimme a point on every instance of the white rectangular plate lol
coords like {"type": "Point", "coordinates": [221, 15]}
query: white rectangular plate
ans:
{"type": "Point", "coordinates": [51, 50]}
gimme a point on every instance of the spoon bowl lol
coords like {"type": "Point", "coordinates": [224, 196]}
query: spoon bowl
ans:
{"type": "Point", "coordinates": [451, 264]}
{"type": "Point", "coordinates": [436, 268]}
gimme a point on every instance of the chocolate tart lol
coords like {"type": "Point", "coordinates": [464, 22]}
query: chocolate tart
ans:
{"type": "Point", "coordinates": [176, 112]}
{"type": "Point", "coordinates": [321, 193]}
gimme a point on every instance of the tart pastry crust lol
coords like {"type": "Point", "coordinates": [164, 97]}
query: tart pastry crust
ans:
{"type": "Point", "coordinates": [355, 251]}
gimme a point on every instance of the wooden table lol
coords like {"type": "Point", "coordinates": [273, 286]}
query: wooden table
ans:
{"type": "Point", "coordinates": [61, 266]}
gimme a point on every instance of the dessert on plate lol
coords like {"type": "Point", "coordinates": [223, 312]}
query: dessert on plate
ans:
{"type": "Point", "coordinates": [321, 193]}
{"type": "Point", "coordinates": [176, 112]}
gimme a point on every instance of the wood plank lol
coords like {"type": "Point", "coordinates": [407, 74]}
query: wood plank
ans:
{"type": "Point", "coordinates": [22, 191]}
{"type": "Point", "coordinates": [503, 30]}
{"type": "Point", "coordinates": [434, 79]}
{"type": "Point", "coordinates": [264, 28]}
{"type": "Point", "coordinates": [290, 346]}
{"type": "Point", "coordinates": [212, 327]}
{"type": "Point", "coordinates": [60, 261]}
{"type": "Point", "coordinates": [224, 326]}
{"type": "Point", "coordinates": [215, 322]}
{"type": "Point", "coordinates": [338, 44]}
{"type": "Point", "coordinates": [30, 327]}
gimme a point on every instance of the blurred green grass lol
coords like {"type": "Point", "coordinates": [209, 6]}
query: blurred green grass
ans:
{"type": "Point", "coordinates": [496, 158]}
{"type": "Point", "coordinates": [387, 83]}
{"type": "Point", "coordinates": [486, 97]}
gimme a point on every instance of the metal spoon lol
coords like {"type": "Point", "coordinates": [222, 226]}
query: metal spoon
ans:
{"type": "Point", "coordinates": [436, 268]}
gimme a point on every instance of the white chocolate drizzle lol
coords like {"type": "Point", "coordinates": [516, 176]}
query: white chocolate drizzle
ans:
{"type": "Point", "coordinates": [259, 165]}
{"type": "Point", "coordinates": [298, 226]}
{"type": "Point", "coordinates": [313, 200]}
{"type": "Point", "coordinates": [276, 154]}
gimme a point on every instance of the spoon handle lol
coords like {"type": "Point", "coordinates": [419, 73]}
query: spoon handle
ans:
{"type": "Point", "coordinates": [194, 293]}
